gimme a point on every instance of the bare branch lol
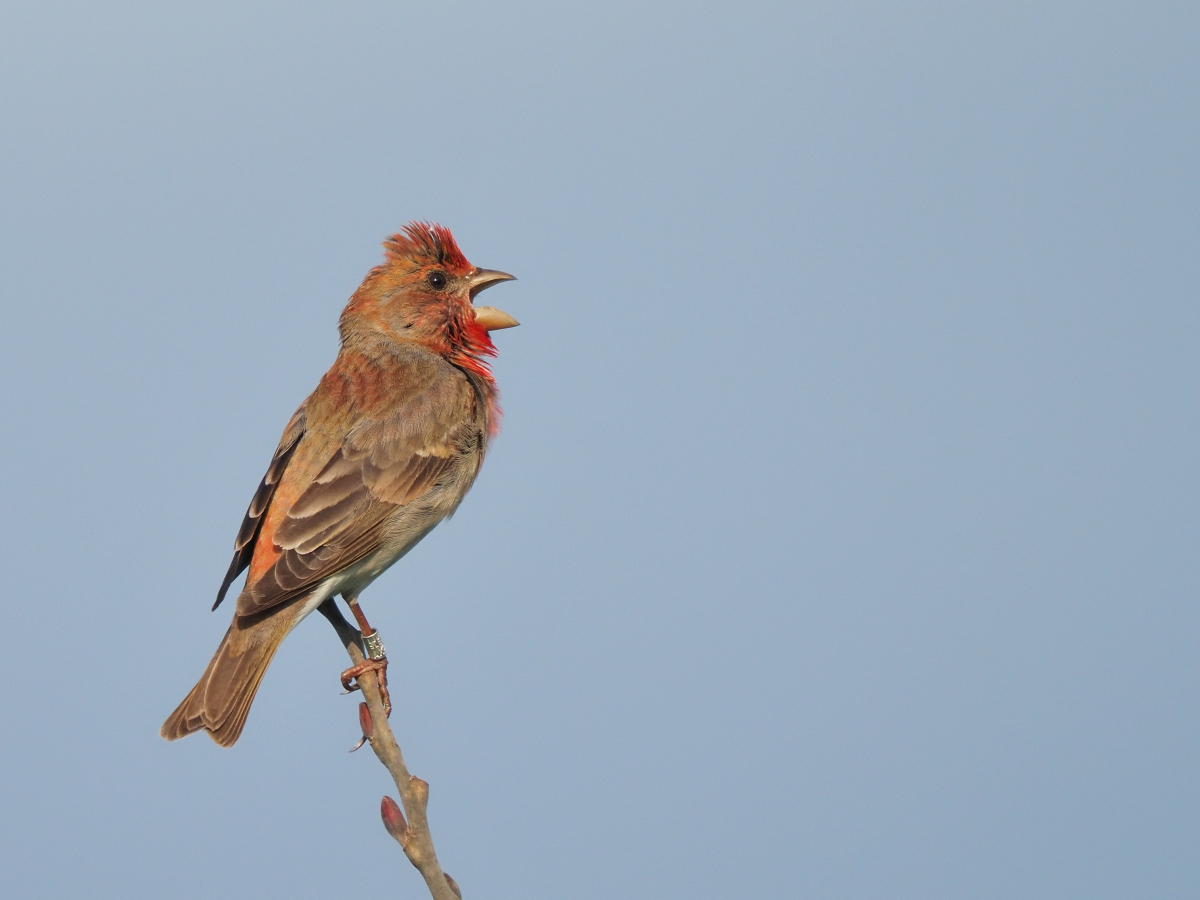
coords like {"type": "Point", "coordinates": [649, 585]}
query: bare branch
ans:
{"type": "Point", "coordinates": [412, 835]}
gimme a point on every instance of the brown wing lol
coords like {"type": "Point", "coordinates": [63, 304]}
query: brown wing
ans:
{"type": "Point", "coordinates": [427, 435]}
{"type": "Point", "coordinates": [243, 547]}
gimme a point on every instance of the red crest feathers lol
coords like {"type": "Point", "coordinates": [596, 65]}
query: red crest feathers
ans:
{"type": "Point", "coordinates": [427, 242]}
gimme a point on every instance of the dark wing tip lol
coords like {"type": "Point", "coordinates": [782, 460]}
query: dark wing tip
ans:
{"type": "Point", "coordinates": [241, 560]}
{"type": "Point", "coordinates": [243, 546]}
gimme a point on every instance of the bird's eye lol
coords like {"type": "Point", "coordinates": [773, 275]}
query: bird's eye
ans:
{"type": "Point", "coordinates": [437, 280]}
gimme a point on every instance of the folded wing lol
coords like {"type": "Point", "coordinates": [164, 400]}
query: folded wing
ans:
{"type": "Point", "coordinates": [349, 478]}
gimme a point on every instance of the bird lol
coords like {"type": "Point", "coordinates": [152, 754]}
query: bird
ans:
{"type": "Point", "coordinates": [383, 449]}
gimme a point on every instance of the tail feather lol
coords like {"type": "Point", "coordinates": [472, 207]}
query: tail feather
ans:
{"type": "Point", "coordinates": [220, 701]}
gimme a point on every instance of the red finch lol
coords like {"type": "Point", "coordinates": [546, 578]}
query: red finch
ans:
{"type": "Point", "coordinates": [385, 448]}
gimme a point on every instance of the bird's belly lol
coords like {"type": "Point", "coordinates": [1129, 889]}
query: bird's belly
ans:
{"type": "Point", "coordinates": [404, 534]}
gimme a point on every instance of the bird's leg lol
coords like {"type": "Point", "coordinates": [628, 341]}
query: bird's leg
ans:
{"type": "Point", "coordinates": [376, 660]}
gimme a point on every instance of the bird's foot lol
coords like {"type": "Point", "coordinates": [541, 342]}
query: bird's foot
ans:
{"type": "Point", "coordinates": [379, 667]}
{"type": "Point", "coordinates": [376, 660]}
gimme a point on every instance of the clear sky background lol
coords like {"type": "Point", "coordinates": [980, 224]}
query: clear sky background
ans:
{"type": "Point", "coordinates": [841, 539]}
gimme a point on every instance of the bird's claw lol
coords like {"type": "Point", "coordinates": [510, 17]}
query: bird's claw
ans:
{"type": "Point", "coordinates": [379, 667]}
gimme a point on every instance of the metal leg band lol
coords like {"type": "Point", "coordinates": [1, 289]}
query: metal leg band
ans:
{"type": "Point", "coordinates": [373, 645]}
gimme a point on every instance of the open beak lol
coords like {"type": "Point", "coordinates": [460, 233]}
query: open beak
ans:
{"type": "Point", "coordinates": [493, 319]}
{"type": "Point", "coordinates": [489, 317]}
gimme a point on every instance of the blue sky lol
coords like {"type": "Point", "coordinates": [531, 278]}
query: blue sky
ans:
{"type": "Point", "coordinates": [841, 538]}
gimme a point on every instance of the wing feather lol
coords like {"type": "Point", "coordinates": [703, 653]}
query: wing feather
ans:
{"type": "Point", "coordinates": [432, 434]}
{"type": "Point", "coordinates": [243, 545]}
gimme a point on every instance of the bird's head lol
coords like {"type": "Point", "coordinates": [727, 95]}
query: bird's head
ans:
{"type": "Point", "coordinates": [424, 293]}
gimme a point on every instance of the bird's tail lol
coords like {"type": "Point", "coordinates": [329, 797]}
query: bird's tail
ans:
{"type": "Point", "coordinates": [221, 698]}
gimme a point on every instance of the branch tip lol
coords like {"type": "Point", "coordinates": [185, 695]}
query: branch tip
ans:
{"type": "Point", "coordinates": [413, 837]}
